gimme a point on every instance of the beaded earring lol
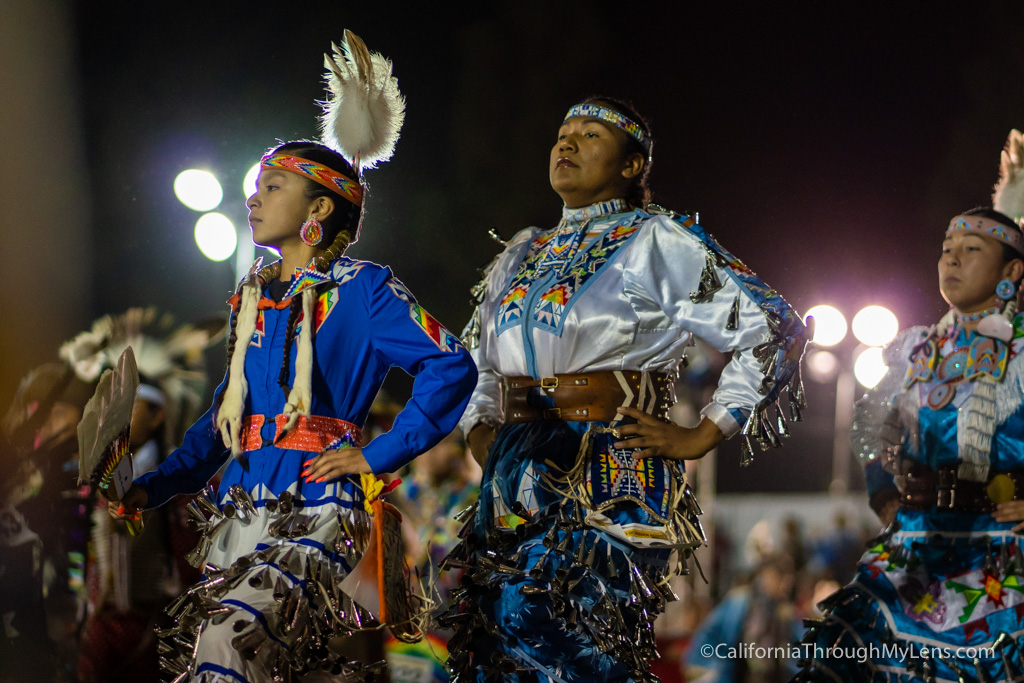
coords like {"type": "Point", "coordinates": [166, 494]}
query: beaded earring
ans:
{"type": "Point", "coordinates": [311, 232]}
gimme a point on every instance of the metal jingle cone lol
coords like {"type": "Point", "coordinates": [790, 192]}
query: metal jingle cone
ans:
{"type": "Point", "coordinates": [563, 547]}
{"type": "Point", "coordinates": [581, 549]}
{"type": "Point", "coordinates": [196, 514]}
{"type": "Point", "coordinates": [177, 605]}
{"type": "Point", "coordinates": [746, 452]}
{"type": "Point", "coordinates": [794, 408]}
{"type": "Point", "coordinates": [780, 420]}
{"type": "Point", "coordinates": [206, 503]}
{"type": "Point", "coordinates": [537, 571]}
{"type": "Point", "coordinates": [285, 502]}
{"type": "Point", "coordinates": [276, 527]}
{"type": "Point", "coordinates": [551, 537]}
{"type": "Point", "coordinates": [197, 555]}
{"type": "Point", "coordinates": [641, 582]}
{"type": "Point", "coordinates": [209, 584]}
{"type": "Point", "coordinates": [242, 501]}
{"type": "Point", "coordinates": [733, 321]}
{"type": "Point", "coordinates": [209, 608]}
{"type": "Point", "coordinates": [613, 571]}
{"type": "Point", "coordinates": [169, 666]}
{"type": "Point", "coordinates": [281, 588]}
{"type": "Point", "coordinates": [251, 651]}
{"type": "Point", "coordinates": [169, 632]}
{"type": "Point", "coordinates": [289, 605]}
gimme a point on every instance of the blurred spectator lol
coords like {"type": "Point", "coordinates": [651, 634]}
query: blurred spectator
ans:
{"type": "Point", "coordinates": [760, 615]}
{"type": "Point", "coordinates": [436, 486]}
{"type": "Point", "coordinates": [837, 552]}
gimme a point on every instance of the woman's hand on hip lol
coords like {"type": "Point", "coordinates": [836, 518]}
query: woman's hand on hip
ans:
{"type": "Point", "coordinates": [480, 440]}
{"type": "Point", "coordinates": [666, 439]}
{"type": "Point", "coordinates": [1012, 511]}
{"type": "Point", "coordinates": [331, 465]}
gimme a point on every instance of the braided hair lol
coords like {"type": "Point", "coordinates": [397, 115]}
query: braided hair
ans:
{"type": "Point", "coordinates": [640, 191]}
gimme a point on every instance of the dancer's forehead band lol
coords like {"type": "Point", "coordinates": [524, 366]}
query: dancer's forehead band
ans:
{"type": "Point", "coordinates": [318, 173]}
{"type": "Point", "coordinates": [631, 127]}
{"type": "Point", "coordinates": [979, 225]}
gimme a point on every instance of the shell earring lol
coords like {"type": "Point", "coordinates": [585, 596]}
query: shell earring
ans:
{"type": "Point", "coordinates": [311, 232]}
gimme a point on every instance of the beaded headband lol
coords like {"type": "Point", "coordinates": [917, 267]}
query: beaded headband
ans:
{"type": "Point", "coordinates": [318, 173]}
{"type": "Point", "coordinates": [628, 125]}
{"type": "Point", "coordinates": [979, 225]}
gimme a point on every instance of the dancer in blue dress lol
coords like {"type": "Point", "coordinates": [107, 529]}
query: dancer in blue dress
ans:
{"type": "Point", "coordinates": [312, 338]}
{"type": "Point", "coordinates": [578, 337]}
{"type": "Point", "coordinates": [939, 596]}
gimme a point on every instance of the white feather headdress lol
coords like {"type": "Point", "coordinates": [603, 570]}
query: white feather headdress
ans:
{"type": "Point", "coordinates": [364, 114]}
{"type": "Point", "coordinates": [1008, 194]}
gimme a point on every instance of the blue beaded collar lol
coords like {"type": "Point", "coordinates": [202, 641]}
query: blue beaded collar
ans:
{"type": "Point", "coordinates": [587, 213]}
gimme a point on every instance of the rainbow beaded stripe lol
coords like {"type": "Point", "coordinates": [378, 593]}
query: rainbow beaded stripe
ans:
{"type": "Point", "coordinates": [332, 180]}
{"type": "Point", "coordinates": [631, 127]}
{"type": "Point", "coordinates": [979, 225]}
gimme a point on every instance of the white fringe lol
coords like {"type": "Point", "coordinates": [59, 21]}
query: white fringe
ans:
{"type": "Point", "coordinates": [975, 423]}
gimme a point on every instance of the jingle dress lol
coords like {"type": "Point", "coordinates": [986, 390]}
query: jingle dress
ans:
{"type": "Point", "coordinates": [939, 578]}
{"type": "Point", "coordinates": [276, 546]}
{"type": "Point", "coordinates": [567, 554]}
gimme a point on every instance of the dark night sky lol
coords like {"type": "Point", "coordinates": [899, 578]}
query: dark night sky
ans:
{"type": "Point", "coordinates": [826, 146]}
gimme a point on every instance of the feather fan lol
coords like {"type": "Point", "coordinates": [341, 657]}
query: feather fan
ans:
{"type": "Point", "coordinates": [103, 432]}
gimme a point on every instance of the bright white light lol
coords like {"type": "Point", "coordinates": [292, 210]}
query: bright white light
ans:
{"type": "Point", "coordinates": [249, 184]}
{"type": "Point", "coordinates": [869, 368]}
{"type": "Point", "coordinates": [822, 366]}
{"type": "Point", "coordinates": [829, 325]}
{"type": "Point", "coordinates": [216, 236]}
{"type": "Point", "coordinates": [198, 190]}
{"type": "Point", "coordinates": [875, 325]}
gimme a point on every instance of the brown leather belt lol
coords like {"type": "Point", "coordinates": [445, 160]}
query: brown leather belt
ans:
{"type": "Point", "coordinates": [925, 488]}
{"type": "Point", "coordinates": [590, 396]}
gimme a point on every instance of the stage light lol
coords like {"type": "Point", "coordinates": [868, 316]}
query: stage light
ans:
{"type": "Point", "coordinates": [869, 368]}
{"type": "Point", "coordinates": [822, 366]}
{"type": "Point", "coordinates": [249, 184]}
{"type": "Point", "coordinates": [216, 236]}
{"type": "Point", "coordinates": [875, 325]}
{"type": "Point", "coordinates": [198, 190]}
{"type": "Point", "coordinates": [829, 325]}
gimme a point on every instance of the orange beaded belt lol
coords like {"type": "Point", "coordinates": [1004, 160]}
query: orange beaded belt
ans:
{"type": "Point", "coordinates": [314, 434]}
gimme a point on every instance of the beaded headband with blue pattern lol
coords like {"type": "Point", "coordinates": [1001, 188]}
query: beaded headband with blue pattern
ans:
{"type": "Point", "coordinates": [979, 225]}
{"type": "Point", "coordinates": [628, 125]}
{"type": "Point", "coordinates": [318, 173]}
